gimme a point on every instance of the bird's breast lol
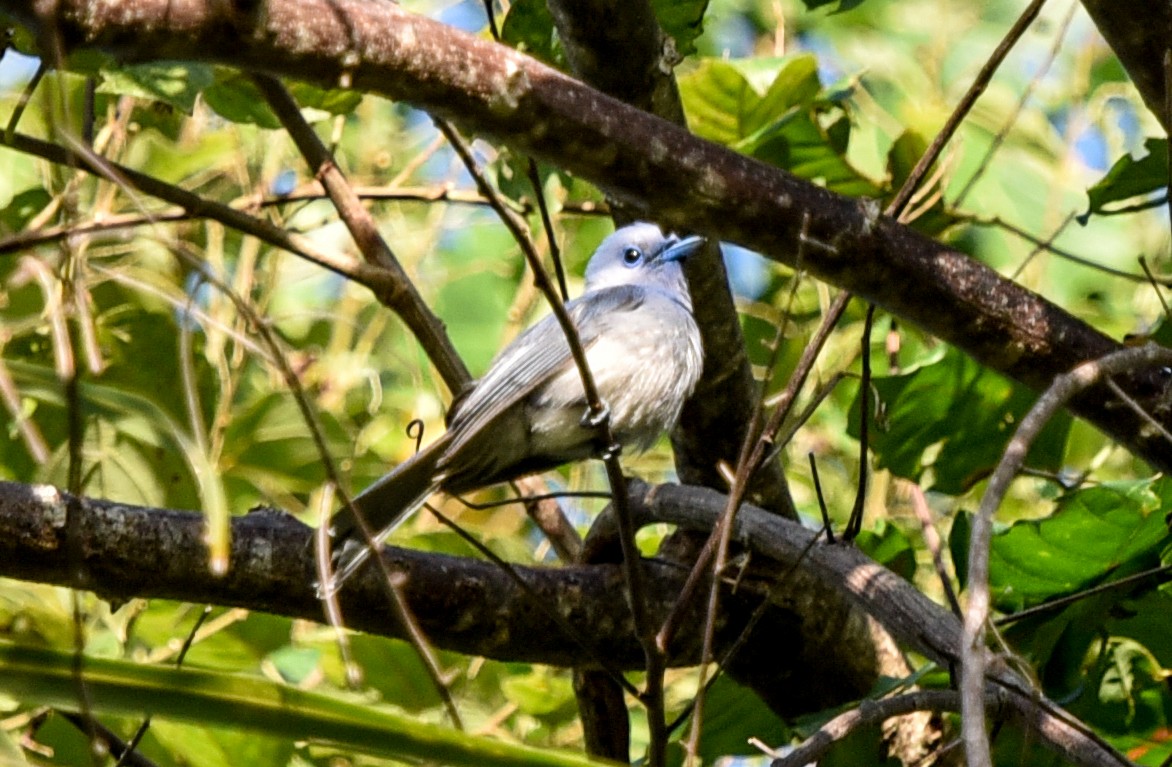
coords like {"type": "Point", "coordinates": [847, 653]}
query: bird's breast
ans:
{"type": "Point", "coordinates": [645, 366]}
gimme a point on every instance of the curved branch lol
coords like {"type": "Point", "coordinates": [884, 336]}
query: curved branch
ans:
{"type": "Point", "coordinates": [658, 169]}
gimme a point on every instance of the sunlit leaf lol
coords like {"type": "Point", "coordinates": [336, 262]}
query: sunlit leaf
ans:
{"type": "Point", "coordinates": [772, 109]}
{"type": "Point", "coordinates": [540, 692]}
{"type": "Point", "coordinates": [169, 82]}
{"type": "Point", "coordinates": [733, 715]}
{"type": "Point", "coordinates": [1093, 534]}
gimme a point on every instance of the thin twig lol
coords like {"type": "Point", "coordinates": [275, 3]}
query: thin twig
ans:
{"type": "Point", "coordinates": [966, 104]}
{"type": "Point", "coordinates": [854, 524]}
{"type": "Point", "coordinates": [1026, 93]}
{"type": "Point", "coordinates": [934, 544]}
{"type": "Point", "coordinates": [783, 403]}
{"type": "Point", "coordinates": [563, 625]}
{"type": "Point", "coordinates": [430, 334]}
{"type": "Point", "coordinates": [415, 635]}
{"type": "Point", "coordinates": [1070, 599]}
{"type": "Point", "coordinates": [872, 712]}
{"type": "Point", "coordinates": [128, 755]}
{"type": "Point", "coordinates": [1138, 409]}
{"type": "Point", "coordinates": [1047, 245]}
{"type": "Point", "coordinates": [22, 103]}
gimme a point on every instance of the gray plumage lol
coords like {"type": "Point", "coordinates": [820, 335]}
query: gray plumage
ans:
{"type": "Point", "coordinates": [525, 415]}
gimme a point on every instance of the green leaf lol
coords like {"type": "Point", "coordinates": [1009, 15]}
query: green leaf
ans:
{"type": "Point", "coordinates": [1130, 178]}
{"type": "Point", "coordinates": [714, 96]}
{"type": "Point", "coordinates": [902, 158]}
{"type": "Point", "coordinates": [888, 546]}
{"type": "Point", "coordinates": [208, 698]}
{"type": "Point", "coordinates": [958, 545]}
{"type": "Point", "coordinates": [235, 98]}
{"type": "Point", "coordinates": [963, 413]}
{"type": "Point", "coordinates": [541, 692]}
{"type": "Point", "coordinates": [23, 207]}
{"type": "Point", "coordinates": [1095, 536]}
{"type": "Point", "coordinates": [1092, 535]}
{"type": "Point", "coordinates": [732, 715]}
{"type": "Point", "coordinates": [774, 110]}
{"type": "Point", "coordinates": [681, 20]}
{"type": "Point", "coordinates": [843, 5]}
{"type": "Point", "coordinates": [177, 84]}
{"type": "Point", "coordinates": [1129, 677]}
{"type": "Point", "coordinates": [335, 101]}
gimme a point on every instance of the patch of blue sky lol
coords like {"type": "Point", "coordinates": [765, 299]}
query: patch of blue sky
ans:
{"type": "Point", "coordinates": [748, 271]}
{"type": "Point", "coordinates": [467, 15]}
{"type": "Point", "coordinates": [16, 69]}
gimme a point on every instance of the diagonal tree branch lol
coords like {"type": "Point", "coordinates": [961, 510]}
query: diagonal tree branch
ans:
{"type": "Point", "coordinates": [1139, 35]}
{"type": "Point", "coordinates": [656, 168]}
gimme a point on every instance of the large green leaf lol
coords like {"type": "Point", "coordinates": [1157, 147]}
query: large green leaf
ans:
{"type": "Point", "coordinates": [1095, 536]}
{"type": "Point", "coordinates": [208, 698]}
{"type": "Point", "coordinates": [529, 27]}
{"type": "Point", "coordinates": [1092, 535]}
{"type": "Point", "coordinates": [775, 110]}
{"type": "Point", "coordinates": [681, 20]}
{"type": "Point", "coordinates": [959, 412]}
{"type": "Point", "coordinates": [235, 97]}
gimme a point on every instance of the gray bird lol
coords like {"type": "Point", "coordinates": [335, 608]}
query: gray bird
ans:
{"type": "Point", "coordinates": [529, 412]}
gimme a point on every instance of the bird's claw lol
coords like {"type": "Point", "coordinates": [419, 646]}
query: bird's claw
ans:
{"type": "Point", "coordinates": [592, 420]}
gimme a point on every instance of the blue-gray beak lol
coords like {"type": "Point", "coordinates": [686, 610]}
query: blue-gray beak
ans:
{"type": "Point", "coordinates": [682, 249]}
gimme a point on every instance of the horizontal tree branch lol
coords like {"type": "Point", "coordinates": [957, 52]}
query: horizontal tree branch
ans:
{"type": "Point", "coordinates": [462, 604]}
{"type": "Point", "coordinates": [656, 168]}
{"type": "Point", "coordinates": [475, 607]}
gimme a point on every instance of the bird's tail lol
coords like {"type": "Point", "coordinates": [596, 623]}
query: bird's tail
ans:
{"type": "Point", "coordinates": [383, 507]}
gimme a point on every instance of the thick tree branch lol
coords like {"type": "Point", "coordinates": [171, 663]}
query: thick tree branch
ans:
{"type": "Point", "coordinates": [473, 607]}
{"type": "Point", "coordinates": [467, 605]}
{"type": "Point", "coordinates": [656, 168]}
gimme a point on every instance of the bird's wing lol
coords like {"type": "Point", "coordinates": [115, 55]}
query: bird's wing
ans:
{"type": "Point", "coordinates": [533, 358]}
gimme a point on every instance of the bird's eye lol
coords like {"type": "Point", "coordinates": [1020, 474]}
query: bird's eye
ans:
{"type": "Point", "coordinates": [632, 256]}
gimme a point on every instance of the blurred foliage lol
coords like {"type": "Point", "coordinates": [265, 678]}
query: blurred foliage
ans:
{"type": "Point", "coordinates": [183, 404]}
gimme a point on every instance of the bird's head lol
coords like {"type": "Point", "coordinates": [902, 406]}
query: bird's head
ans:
{"type": "Point", "coordinates": [641, 254]}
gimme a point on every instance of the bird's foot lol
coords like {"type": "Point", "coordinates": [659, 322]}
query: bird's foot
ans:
{"type": "Point", "coordinates": [592, 419]}
{"type": "Point", "coordinates": [614, 451]}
